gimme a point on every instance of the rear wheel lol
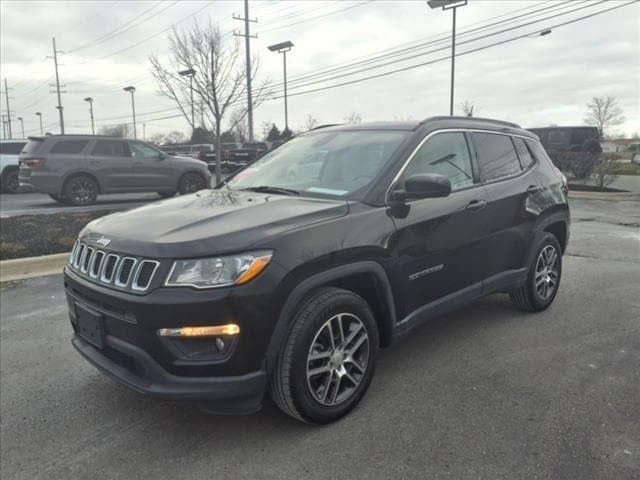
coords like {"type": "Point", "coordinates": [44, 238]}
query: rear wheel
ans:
{"type": "Point", "coordinates": [191, 182]}
{"type": "Point", "coordinates": [10, 182]}
{"type": "Point", "coordinates": [543, 277]}
{"type": "Point", "coordinates": [81, 190]}
{"type": "Point", "coordinates": [328, 360]}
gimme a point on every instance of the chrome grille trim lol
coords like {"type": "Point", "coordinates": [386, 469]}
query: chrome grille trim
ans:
{"type": "Point", "coordinates": [117, 281]}
{"type": "Point", "coordinates": [103, 274]}
{"type": "Point", "coordinates": [86, 259]}
{"type": "Point", "coordinates": [135, 285]}
{"type": "Point", "coordinates": [93, 264]}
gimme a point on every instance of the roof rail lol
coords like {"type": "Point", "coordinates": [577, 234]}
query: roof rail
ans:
{"type": "Point", "coordinates": [324, 126]}
{"type": "Point", "coordinates": [475, 119]}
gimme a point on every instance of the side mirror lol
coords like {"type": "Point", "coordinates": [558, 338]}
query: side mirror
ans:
{"type": "Point", "coordinates": [423, 185]}
{"type": "Point", "coordinates": [636, 158]}
{"type": "Point", "coordinates": [161, 156]}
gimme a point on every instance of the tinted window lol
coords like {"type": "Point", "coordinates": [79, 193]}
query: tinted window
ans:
{"type": "Point", "coordinates": [526, 159]}
{"type": "Point", "coordinates": [31, 146]}
{"type": "Point", "coordinates": [12, 148]}
{"type": "Point", "coordinates": [446, 154]}
{"type": "Point", "coordinates": [559, 137]}
{"type": "Point", "coordinates": [496, 156]}
{"type": "Point", "coordinates": [142, 150]}
{"type": "Point", "coordinates": [108, 148]}
{"type": "Point", "coordinates": [69, 146]}
{"type": "Point", "coordinates": [537, 150]}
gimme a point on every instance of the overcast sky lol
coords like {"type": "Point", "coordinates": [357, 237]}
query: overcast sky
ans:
{"type": "Point", "coordinates": [534, 81]}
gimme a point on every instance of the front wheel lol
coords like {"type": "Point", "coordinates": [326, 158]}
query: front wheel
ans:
{"type": "Point", "coordinates": [191, 182]}
{"type": "Point", "coordinates": [328, 359]}
{"type": "Point", "coordinates": [543, 277]}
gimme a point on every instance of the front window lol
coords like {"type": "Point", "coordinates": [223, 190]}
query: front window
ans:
{"type": "Point", "coordinates": [142, 150]}
{"type": "Point", "coordinates": [339, 164]}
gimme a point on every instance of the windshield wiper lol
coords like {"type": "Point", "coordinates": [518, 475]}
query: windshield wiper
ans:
{"type": "Point", "coordinates": [268, 189]}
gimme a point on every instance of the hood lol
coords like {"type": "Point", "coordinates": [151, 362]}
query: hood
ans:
{"type": "Point", "coordinates": [208, 222]}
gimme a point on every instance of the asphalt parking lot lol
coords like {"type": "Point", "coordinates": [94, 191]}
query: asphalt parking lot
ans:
{"type": "Point", "coordinates": [484, 392]}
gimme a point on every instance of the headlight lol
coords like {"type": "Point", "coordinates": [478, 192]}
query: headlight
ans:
{"type": "Point", "coordinates": [218, 271]}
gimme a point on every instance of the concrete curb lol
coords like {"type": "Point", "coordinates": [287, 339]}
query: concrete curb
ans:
{"type": "Point", "coordinates": [611, 196]}
{"type": "Point", "coordinates": [22, 268]}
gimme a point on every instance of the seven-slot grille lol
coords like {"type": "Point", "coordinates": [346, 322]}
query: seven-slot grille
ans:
{"type": "Point", "coordinates": [111, 269]}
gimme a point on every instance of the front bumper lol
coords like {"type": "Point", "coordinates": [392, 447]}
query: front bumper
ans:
{"type": "Point", "coordinates": [133, 353]}
{"type": "Point", "coordinates": [138, 371]}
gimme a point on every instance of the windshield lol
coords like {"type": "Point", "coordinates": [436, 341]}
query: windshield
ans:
{"type": "Point", "coordinates": [338, 164]}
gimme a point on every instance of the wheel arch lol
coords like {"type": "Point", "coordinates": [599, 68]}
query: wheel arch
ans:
{"type": "Point", "coordinates": [76, 173]}
{"type": "Point", "coordinates": [367, 279]}
{"type": "Point", "coordinates": [557, 224]}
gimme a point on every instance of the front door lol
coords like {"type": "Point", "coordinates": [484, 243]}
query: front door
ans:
{"type": "Point", "coordinates": [439, 242]}
{"type": "Point", "coordinates": [149, 167]}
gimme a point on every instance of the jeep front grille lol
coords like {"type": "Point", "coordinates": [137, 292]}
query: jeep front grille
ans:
{"type": "Point", "coordinates": [111, 269]}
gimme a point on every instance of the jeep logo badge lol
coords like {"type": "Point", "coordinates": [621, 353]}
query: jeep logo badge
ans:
{"type": "Point", "coordinates": [103, 241]}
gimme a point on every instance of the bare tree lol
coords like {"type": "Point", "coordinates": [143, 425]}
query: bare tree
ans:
{"type": "Point", "coordinates": [310, 122]}
{"type": "Point", "coordinates": [604, 112]}
{"type": "Point", "coordinates": [238, 126]}
{"type": "Point", "coordinates": [467, 108]}
{"type": "Point", "coordinates": [219, 82]}
{"type": "Point", "coordinates": [121, 130]}
{"type": "Point", "coordinates": [353, 117]}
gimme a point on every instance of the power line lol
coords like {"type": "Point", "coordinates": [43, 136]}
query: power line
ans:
{"type": "Point", "coordinates": [502, 42]}
{"type": "Point", "coordinates": [482, 37]}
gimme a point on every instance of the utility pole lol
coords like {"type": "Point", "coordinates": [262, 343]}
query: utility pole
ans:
{"type": "Point", "coordinates": [21, 125]}
{"type": "Point", "coordinates": [59, 107]}
{"type": "Point", "coordinates": [132, 90]}
{"type": "Point", "coordinates": [144, 132]}
{"type": "Point", "coordinates": [4, 130]}
{"type": "Point", "coordinates": [283, 48]}
{"type": "Point", "coordinates": [6, 93]}
{"type": "Point", "coordinates": [247, 47]}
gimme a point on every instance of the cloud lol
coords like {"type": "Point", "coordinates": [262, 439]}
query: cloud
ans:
{"type": "Point", "coordinates": [533, 81]}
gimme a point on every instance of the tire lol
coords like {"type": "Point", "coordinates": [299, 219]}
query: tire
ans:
{"type": "Point", "coordinates": [59, 198]}
{"type": "Point", "coordinates": [543, 276]}
{"type": "Point", "coordinates": [166, 194]}
{"type": "Point", "coordinates": [342, 374]}
{"type": "Point", "coordinates": [81, 190]}
{"type": "Point", "coordinates": [191, 182]}
{"type": "Point", "coordinates": [10, 182]}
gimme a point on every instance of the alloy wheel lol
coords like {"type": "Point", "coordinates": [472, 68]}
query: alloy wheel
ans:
{"type": "Point", "coordinates": [337, 359]}
{"type": "Point", "coordinates": [546, 276]}
{"type": "Point", "coordinates": [83, 191]}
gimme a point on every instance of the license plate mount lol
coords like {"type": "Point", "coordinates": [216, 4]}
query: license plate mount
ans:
{"type": "Point", "coordinates": [90, 325]}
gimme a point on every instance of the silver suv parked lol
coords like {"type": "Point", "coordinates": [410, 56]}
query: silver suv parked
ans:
{"type": "Point", "coordinates": [75, 169]}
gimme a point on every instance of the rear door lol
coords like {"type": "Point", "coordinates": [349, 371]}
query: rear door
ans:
{"type": "Point", "coordinates": [149, 169]}
{"type": "Point", "coordinates": [110, 162]}
{"type": "Point", "coordinates": [439, 242]}
{"type": "Point", "coordinates": [513, 188]}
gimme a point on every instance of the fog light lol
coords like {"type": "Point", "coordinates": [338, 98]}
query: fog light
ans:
{"type": "Point", "coordinates": [211, 331]}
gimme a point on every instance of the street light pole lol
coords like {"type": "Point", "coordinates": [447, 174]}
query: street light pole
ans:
{"type": "Point", "coordinates": [21, 125]}
{"type": "Point", "coordinates": [90, 100]}
{"type": "Point", "coordinates": [39, 114]}
{"type": "Point", "coordinates": [453, 5]}
{"type": "Point", "coordinates": [131, 90]}
{"type": "Point", "coordinates": [190, 73]}
{"type": "Point", "coordinates": [283, 48]}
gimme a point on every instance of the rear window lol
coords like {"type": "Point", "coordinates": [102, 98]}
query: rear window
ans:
{"type": "Point", "coordinates": [31, 146]}
{"type": "Point", "coordinates": [559, 137]}
{"type": "Point", "coordinates": [526, 159]}
{"type": "Point", "coordinates": [12, 148]}
{"type": "Point", "coordinates": [496, 156]}
{"type": "Point", "coordinates": [108, 148]}
{"type": "Point", "coordinates": [69, 146]}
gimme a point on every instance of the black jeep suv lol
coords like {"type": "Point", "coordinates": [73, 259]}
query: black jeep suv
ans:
{"type": "Point", "coordinates": [289, 276]}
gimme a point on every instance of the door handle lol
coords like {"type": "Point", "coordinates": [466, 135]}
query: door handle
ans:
{"type": "Point", "coordinates": [533, 189]}
{"type": "Point", "coordinates": [476, 205]}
